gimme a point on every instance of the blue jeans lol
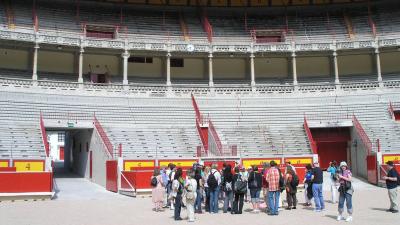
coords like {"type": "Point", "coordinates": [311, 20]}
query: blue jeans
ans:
{"type": "Point", "coordinates": [348, 198]}
{"type": "Point", "coordinates": [214, 200]}
{"type": "Point", "coordinates": [273, 197]}
{"type": "Point", "coordinates": [318, 196]}
{"type": "Point", "coordinates": [228, 200]}
{"type": "Point", "coordinates": [199, 198]}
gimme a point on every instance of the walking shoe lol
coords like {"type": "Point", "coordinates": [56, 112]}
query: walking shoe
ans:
{"type": "Point", "coordinates": [339, 218]}
{"type": "Point", "coordinates": [294, 207]}
{"type": "Point", "coordinates": [317, 210]}
{"type": "Point", "coordinates": [389, 210]}
{"type": "Point", "coordinates": [349, 219]}
{"type": "Point", "coordinates": [395, 211]}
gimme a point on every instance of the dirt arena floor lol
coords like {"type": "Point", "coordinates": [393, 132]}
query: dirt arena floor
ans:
{"type": "Point", "coordinates": [80, 202]}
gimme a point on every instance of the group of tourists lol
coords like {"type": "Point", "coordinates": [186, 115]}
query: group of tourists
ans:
{"type": "Point", "coordinates": [207, 185]}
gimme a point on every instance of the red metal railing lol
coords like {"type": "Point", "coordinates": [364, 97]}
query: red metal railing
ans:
{"type": "Point", "coordinates": [196, 109]}
{"type": "Point", "coordinates": [103, 136]}
{"type": "Point", "coordinates": [363, 135]}
{"type": "Point", "coordinates": [120, 150]}
{"type": "Point", "coordinates": [44, 136]}
{"type": "Point", "coordinates": [214, 134]}
{"type": "Point", "coordinates": [313, 144]}
{"type": "Point", "coordinates": [202, 137]}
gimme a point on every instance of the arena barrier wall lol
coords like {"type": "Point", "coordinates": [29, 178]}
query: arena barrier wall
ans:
{"type": "Point", "coordinates": [20, 182]}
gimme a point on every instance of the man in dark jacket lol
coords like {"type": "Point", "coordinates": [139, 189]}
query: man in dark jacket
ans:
{"type": "Point", "coordinates": [391, 184]}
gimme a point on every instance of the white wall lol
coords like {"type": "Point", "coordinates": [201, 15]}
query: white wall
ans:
{"type": "Point", "coordinates": [313, 66]}
{"type": "Point", "coordinates": [80, 153]}
{"type": "Point", "coordinates": [99, 63]}
{"type": "Point", "coordinates": [390, 62]}
{"type": "Point", "coordinates": [147, 70]}
{"type": "Point", "coordinates": [194, 68]}
{"type": "Point", "coordinates": [358, 157]}
{"type": "Point", "coordinates": [54, 145]}
{"type": "Point", "coordinates": [14, 59]}
{"type": "Point", "coordinates": [265, 67]}
{"type": "Point", "coordinates": [356, 64]}
{"type": "Point", "coordinates": [57, 62]}
{"type": "Point", "coordinates": [229, 68]}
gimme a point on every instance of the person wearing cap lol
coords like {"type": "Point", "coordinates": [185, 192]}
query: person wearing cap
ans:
{"type": "Point", "coordinates": [345, 192]}
{"type": "Point", "coordinates": [391, 184]}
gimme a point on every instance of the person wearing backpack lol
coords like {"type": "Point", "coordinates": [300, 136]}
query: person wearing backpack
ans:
{"type": "Point", "coordinates": [158, 190]}
{"type": "Point", "coordinates": [274, 189]}
{"type": "Point", "coordinates": [345, 192]}
{"type": "Point", "coordinates": [227, 185]}
{"type": "Point", "coordinates": [255, 184]}
{"type": "Point", "coordinates": [308, 194]}
{"type": "Point", "coordinates": [392, 181]}
{"type": "Point", "coordinates": [213, 182]}
{"type": "Point", "coordinates": [177, 188]}
{"type": "Point", "coordinates": [291, 181]}
{"type": "Point", "coordinates": [240, 189]}
{"type": "Point", "coordinates": [200, 187]}
{"type": "Point", "coordinates": [205, 175]}
{"type": "Point", "coordinates": [332, 170]}
{"type": "Point", "coordinates": [191, 194]}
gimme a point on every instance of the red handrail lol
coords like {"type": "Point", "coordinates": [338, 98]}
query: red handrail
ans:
{"type": "Point", "coordinates": [313, 144]}
{"type": "Point", "coordinates": [196, 110]}
{"type": "Point", "coordinates": [207, 27]}
{"type": "Point", "coordinates": [202, 137]}
{"type": "Point", "coordinates": [214, 133]}
{"type": "Point", "coordinates": [44, 136]}
{"type": "Point", "coordinates": [363, 135]}
{"type": "Point", "coordinates": [103, 136]}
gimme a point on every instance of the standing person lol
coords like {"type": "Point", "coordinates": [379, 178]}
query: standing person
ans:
{"type": "Point", "coordinates": [246, 176]}
{"type": "Point", "coordinates": [289, 164]}
{"type": "Point", "coordinates": [158, 190]}
{"type": "Point", "coordinates": [255, 184]}
{"type": "Point", "coordinates": [199, 191]}
{"type": "Point", "coordinates": [206, 173]}
{"type": "Point", "coordinates": [227, 187]}
{"type": "Point", "coordinates": [191, 194]}
{"type": "Point", "coordinates": [165, 182]}
{"type": "Point", "coordinates": [273, 177]}
{"type": "Point", "coordinates": [291, 182]}
{"type": "Point", "coordinates": [265, 185]}
{"type": "Point", "coordinates": [333, 180]}
{"type": "Point", "coordinates": [214, 182]}
{"type": "Point", "coordinates": [308, 195]}
{"type": "Point", "coordinates": [317, 179]}
{"type": "Point", "coordinates": [238, 179]}
{"type": "Point", "coordinates": [171, 177]}
{"type": "Point", "coordinates": [391, 184]}
{"type": "Point", "coordinates": [345, 192]}
{"type": "Point", "coordinates": [177, 186]}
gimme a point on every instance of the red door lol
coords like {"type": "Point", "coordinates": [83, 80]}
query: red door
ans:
{"type": "Point", "coordinates": [372, 169]}
{"type": "Point", "coordinates": [61, 152]}
{"type": "Point", "coordinates": [112, 175]}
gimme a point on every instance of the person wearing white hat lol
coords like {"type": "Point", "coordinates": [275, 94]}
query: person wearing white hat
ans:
{"type": "Point", "coordinates": [345, 192]}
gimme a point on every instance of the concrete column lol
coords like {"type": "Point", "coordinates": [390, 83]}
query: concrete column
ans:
{"type": "Point", "coordinates": [252, 71]}
{"type": "Point", "coordinates": [210, 70]}
{"type": "Point", "coordinates": [335, 67]}
{"type": "Point", "coordinates": [168, 69]}
{"type": "Point", "coordinates": [80, 66]}
{"type": "Point", "coordinates": [294, 68]}
{"type": "Point", "coordinates": [378, 64]}
{"type": "Point", "coordinates": [35, 59]}
{"type": "Point", "coordinates": [125, 57]}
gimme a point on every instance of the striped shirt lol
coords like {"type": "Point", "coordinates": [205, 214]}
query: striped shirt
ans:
{"type": "Point", "coordinates": [273, 179]}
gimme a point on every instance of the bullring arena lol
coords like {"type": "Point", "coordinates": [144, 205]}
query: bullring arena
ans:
{"type": "Point", "coordinates": [97, 95]}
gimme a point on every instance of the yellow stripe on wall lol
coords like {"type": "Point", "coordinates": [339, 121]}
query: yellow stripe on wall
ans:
{"type": "Point", "coordinates": [29, 166]}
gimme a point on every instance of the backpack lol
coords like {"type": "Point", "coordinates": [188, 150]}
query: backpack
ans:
{"type": "Point", "coordinates": [212, 181]}
{"type": "Point", "coordinates": [228, 186]}
{"type": "Point", "coordinates": [189, 191]}
{"type": "Point", "coordinates": [154, 182]}
{"type": "Point", "coordinates": [295, 181]}
{"type": "Point", "coordinates": [281, 181]}
{"type": "Point", "coordinates": [254, 183]}
{"type": "Point", "coordinates": [240, 186]}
